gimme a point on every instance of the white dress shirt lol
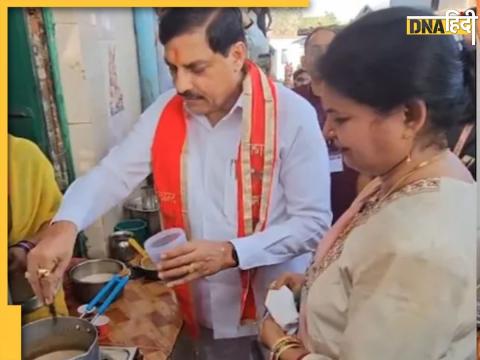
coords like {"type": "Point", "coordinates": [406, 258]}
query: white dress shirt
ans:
{"type": "Point", "coordinates": [299, 209]}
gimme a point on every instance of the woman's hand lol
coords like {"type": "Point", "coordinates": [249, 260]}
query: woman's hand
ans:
{"type": "Point", "coordinates": [293, 281]}
{"type": "Point", "coordinates": [270, 332]}
{"type": "Point", "coordinates": [47, 262]}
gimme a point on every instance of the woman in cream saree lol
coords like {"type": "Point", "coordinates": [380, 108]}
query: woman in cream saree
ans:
{"type": "Point", "coordinates": [395, 277]}
{"type": "Point", "coordinates": [397, 274]}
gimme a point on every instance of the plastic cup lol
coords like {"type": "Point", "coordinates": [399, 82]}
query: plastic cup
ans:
{"type": "Point", "coordinates": [163, 241]}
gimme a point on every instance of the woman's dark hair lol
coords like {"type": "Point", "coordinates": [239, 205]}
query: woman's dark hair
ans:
{"type": "Point", "coordinates": [374, 62]}
{"type": "Point", "coordinates": [224, 25]}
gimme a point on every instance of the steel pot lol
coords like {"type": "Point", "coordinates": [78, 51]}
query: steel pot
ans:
{"type": "Point", "coordinates": [85, 287]}
{"type": "Point", "coordinates": [144, 207]}
{"type": "Point", "coordinates": [118, 246]}
{"type": "Point", "coordinates": [65, 338]}
{"type": "Point", "coordinates": [22, 293]}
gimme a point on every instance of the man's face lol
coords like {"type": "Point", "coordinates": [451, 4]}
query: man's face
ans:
{"type": "Point", "coordinates": [315, 48]}
{"type": "Point", "coordinates": [301, 79]}
{"type": "Point", "coordinates": [206, 80]}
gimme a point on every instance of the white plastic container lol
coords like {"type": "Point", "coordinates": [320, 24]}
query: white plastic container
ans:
{"type": "Point", "coordinates": [164, 241]}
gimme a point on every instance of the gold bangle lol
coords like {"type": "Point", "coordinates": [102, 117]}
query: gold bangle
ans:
{"type": "Point", "coordinates": [285, 348]}
{"type": "Point", "coordinates": [287, 340]}
{"type": "Point", "coordinates": [279, 341]}
{"type": "Point", "coordinates": [284, 341]}
{"type": "Point", "coordinates": [274, 351]}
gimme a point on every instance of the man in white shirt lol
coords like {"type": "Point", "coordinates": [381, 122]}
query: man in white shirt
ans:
{"type": "Point", "coordinates": [206, 53]}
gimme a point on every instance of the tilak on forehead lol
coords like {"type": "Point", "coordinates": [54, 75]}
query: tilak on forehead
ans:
{"type": "Point", "coordinates": [175, 55]}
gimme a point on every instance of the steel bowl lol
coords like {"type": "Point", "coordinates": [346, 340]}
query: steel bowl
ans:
{"type": "Point", "coordinates": [90, 276]}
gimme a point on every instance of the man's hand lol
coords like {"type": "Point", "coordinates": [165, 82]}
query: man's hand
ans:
{"type": "Point", "coordinates": [196, 259]}
{"type": "Point", "coordinates": [47, 262]}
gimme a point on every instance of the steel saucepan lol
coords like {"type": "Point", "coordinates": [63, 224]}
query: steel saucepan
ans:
{"type": "Point", "coordinates": [63, 338]}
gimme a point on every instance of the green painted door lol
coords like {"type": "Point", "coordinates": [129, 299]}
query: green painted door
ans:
{"type": "Point", "coordinates": [25, 112]}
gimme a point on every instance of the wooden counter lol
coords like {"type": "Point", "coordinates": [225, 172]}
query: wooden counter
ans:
{"type": "Point", "coordinates": [146, 316]}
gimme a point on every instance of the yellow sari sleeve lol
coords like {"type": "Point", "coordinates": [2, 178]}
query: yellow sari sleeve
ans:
{"type": "Point", "coordinates": [34, 199]}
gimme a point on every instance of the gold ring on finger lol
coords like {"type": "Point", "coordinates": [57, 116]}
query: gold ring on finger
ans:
{"type": "Point", "coordinates": [42, 272]}
{"type": "Point", "coordinates": [192, 268]}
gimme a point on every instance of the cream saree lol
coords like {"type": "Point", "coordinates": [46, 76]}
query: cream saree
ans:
{"type": "Point", "coordinates": [400, 283]}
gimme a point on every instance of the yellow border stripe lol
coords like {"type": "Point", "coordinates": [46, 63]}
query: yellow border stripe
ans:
{"type": "Point", "coordinates": [9, 315]}
{"type": "Point", "coordinates": [164, 3]}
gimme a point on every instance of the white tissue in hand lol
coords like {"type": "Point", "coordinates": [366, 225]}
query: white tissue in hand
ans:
{"type": "Point", "coordinates": [281, 306]}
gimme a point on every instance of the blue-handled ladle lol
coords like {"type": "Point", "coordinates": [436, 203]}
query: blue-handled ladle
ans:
{"type": "Point", "coordinates": [115, 285]}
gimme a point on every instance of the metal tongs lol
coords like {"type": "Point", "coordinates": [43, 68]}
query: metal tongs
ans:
{"type": "Point", "coordinates": [114, 285]}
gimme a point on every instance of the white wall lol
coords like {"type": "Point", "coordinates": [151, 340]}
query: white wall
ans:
{"type": "Point", "coordinates": [294, 53]}
{"type": "Point", "coordinates": [84, 37]}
